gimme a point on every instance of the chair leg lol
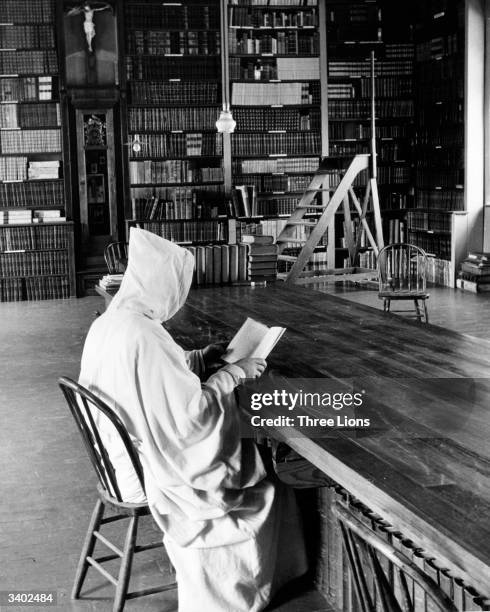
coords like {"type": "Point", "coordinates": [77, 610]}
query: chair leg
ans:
{"type": "Point", "coordinates": [426, 312]}
{"type": "Point", "coordinates": [417, 310]}
{"type": "Point", "coordinates": [386, 305]}
{"type": "Point", "coordinates": [88, 548]}
{"type": "Point", "coordinates": [126, 562]}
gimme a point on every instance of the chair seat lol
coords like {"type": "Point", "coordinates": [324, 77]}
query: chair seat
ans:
{"type": "Point", "coordinates": [404, 295]}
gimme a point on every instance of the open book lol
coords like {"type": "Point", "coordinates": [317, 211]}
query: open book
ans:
{"type": "Point", "coordinates": [253, 339]}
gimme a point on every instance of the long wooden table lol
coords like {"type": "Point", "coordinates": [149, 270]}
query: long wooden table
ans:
{"type": "Point", "coordinates": [425, 467]}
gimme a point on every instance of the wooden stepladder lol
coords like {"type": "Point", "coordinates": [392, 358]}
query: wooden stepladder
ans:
{"type": "Point", "coordinates": [344, 195]}
{"type": "Point", "coordinates": [332, 197]}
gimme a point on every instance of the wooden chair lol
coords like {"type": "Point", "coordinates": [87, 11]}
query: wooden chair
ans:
{"type": "Point", "coordinates": [402, 270]}
{"type": "Point", "coordinates": [84, 405]}
{"type": "Point", "coordinates": [116, 257]}
{"type": "Point", "coordinates": [386, 580]}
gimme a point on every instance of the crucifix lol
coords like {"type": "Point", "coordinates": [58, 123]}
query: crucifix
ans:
{"type": "Point", "coordinates": [88, 12]}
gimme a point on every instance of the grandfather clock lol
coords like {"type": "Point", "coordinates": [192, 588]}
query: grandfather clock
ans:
{"type": "Point", "coordinates": [91, 97]}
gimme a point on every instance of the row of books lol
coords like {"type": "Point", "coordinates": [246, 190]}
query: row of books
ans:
{"type": "Point", "coordinates": [475, 272]}
{"type": "Point", "coordinates": [34, 237]}
{"type": "Point", "coordinates": [395, 231]}
{"type": "Point", "coordinates": [13, 116]}
{"type": "Point", "coordinates": [33, 263]}
{"type": "Point", "coordinates": [28, 89]}
{"type": "Point", "coordinates": [177, 203]}
{"type": "Point", "coordinates": [386, 87]}
{"type": "Point", "coordinates": [275, 183]}
{"type": "Point", "coordinates": [27, 11]}
{"type": "Point", "coordinates": [26, 37]}
{"type": "Point", "coordinates": [233, 263]}
{"type": "Point", "coordinates": [432, 243]}
{"type": "Point", "coordinates": [15, 217]}
{"type": "Point", "coordinates": [393, 175]}
{"type": "Point", "coordinates": [353, 13]}
{"type": "Point", "coordinates": [450, 178]}
{"type": "Point", "coordinates": [183, 42]}
{"type": "Point", "coordinates": [173, 171]}
{"type": "Point", "coordinates": [368, 259]}
{"type": "Point", "coordinates": [280, 42]}
{"type": "Point", "coordinates": [428, 221]}
{"type": "Point", "coordinates": [275, 166]}
{"type": "Point", "coordinates": [441, 114]}
{"type": "Point", "coordinates": [270, 94]}
{"type": "Point", "coordinates": [441, 136]}
{"type": "Point", "coordinates": [155, 68]}
{"type": "Point", "coordinates": [178, 145]}
{"type": "Point", "coordinates": [173, 16]}
{"type": "Point", "coordinates": [181, 93]}
{"type": "Point", "coordinates": [290, 143]}
{"type": "Point", "coordinates": [47, 288]}
{"type": "Point", "coordinates": [267, 68]}
{"type": "Point", "coordinates": [187, 231]}
{"type": "Point", "coordinates": [260, 227]}
{"type": "Point", "coordinates": [439, 271]}
{"type": "Point", "coordinates": [448, 157]}
{"type": "Point", "coordinates": [270, 119]}
{"type": "Point", "coordinates": [446, 89]}
{"type": "Point", "coordinates": [291, 3]}
{"type": "Point", "coordinates": [33, 193]}
{"type": "Point", "coordinates": [435, 73]}
{"type": "Point", "coordinates": [29, 62]}
{"type": "Point", "coordinates": [384, 109]}
{"type": "Point", "coordinates": [250, 18]}
{"type": "Point", "coordinates": [173, 119]}
{"type": "Point", "coordinates": [30, 141]}
{"type": "Point", "coordinates": [13, 168]}
{"type": "Point", "coordinates": [356, 68]}
{"type": "Point", "coordinates": [437, 47]}
{"type": "Point", "coordinates": [357, 131]}
{"type": "Point", "coordinates": [449, 199]}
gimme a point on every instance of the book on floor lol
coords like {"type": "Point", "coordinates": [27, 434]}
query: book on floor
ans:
{"type": "Point", "coordinates": [253, 339]}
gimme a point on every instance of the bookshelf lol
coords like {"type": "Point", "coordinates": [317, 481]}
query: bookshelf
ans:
{"type": "Point", "coordinates": [173, 82]}
{"type": "Point", "coordinates": [354, 30]}
{"type": "Point", "coordinates": [275, 62]}
{"type": "Point", "coordinates": [36, 242]}
{"type": "Point", "coordinates": [440, 136]}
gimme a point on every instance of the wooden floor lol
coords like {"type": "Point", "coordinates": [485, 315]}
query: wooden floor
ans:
{"type": "Point", "coordinates": [48, 489]}
{"type": "Point", "coordinates": [47, 482]}
{"type": "Point", "coordinates": [464, 312]}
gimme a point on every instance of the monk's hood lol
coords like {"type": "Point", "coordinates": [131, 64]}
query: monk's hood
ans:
{"type": "Point", "coordinates": [157, 279]}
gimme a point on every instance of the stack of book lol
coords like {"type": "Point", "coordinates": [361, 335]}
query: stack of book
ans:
{"type": "Point", "coordinates": [262, 257]}
{"type": "Point", "coordinates": [111, 282]}
{"type": "Point", "coordinates": [475, 273]}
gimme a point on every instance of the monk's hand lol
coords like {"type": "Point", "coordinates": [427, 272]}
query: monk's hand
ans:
{"type": "Point", "coordinates": [212, 353]}
{"type": "Point", "coordinates": [253, 367]}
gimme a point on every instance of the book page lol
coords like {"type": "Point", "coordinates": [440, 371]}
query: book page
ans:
{"type": "Point", "coordinates": [253, 339]}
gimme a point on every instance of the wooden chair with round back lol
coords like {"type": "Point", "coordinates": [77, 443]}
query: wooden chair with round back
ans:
{"type": "Point", "coordinates": [385, 579]}
{"type": "Point", "coordinates": [402, 270]}
{"type": "Point", "coordinates": [116, 257]}
{"type": "Point", "coordinates": [84, 407]}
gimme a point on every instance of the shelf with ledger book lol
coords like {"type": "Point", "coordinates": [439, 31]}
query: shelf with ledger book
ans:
{"type": "Point", "coordinates": [36, 241]}
{"type": "Point", "coordinates": [354, 30]}
{"type": "Point", "coordinates": [274, 66]}
{"type": "Point", "coordinates": [439, 143]}
{"type": "Point", "coordinates": [173, 79]}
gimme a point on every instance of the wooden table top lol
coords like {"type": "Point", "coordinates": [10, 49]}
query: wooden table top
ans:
{"type": "Point", "coordinates": [425, 467]}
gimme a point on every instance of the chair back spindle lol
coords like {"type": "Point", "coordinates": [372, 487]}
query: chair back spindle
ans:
{"type": "Point", "coordinates": [84, 405]}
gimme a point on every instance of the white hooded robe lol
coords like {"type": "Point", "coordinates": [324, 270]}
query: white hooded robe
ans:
{"type": "Point", "coordinates": [206, 488]}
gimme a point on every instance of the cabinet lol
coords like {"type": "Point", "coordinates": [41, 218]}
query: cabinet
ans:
{"type": "Point", "coordinates": [36, 241]}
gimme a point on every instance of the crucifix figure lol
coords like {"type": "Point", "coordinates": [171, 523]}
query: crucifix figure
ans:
{"type": "Point", "coordinates": [88, 25]}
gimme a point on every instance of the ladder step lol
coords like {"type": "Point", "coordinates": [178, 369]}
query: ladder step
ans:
{"type": "Point", "coordinates": [287, 258]}
{"type": "Point", "coordinates": [305, 223]}
{"type": "Point", "coordinates": [292, 240]}
{"type": "Point", "coordinates": [317, 206]}
{"type": "Point", "coordinates": [320, 190]}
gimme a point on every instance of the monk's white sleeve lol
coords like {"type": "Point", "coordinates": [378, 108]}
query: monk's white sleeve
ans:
{"type": "Point", "coordinates": [195, 361]}
{"type": "Point", "coordinates": [224, 381]}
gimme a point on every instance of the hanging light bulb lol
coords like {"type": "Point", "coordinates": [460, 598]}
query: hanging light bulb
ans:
{"type": "Point", "coordinates": [136, 145]}
{"type": "Point", "coordinates": [225, 124]}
